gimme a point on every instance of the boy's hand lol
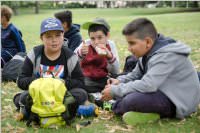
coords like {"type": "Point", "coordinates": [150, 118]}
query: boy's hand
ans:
{"type": "Point", "coordinates": [106, 93]}
{"type": "Point", "coordinates": [109, 54]}
{"type": "Point", "coordinates": [112, 81]}
{"type": "Point", "coordinates": [84, 49]}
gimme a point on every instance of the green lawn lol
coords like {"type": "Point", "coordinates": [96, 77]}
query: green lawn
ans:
{"type": "Point", "coordinates": [182, 26]}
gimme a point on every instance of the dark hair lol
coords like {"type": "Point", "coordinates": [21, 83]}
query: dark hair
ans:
{"type": "Point", "coordinates": [141, 27]}
{"type": "Point", "coordinates": [6, 11]}
{"type": "Point", "coordinates": [65, 16]}
{"type": "Point", "coordinates": [98, 27]}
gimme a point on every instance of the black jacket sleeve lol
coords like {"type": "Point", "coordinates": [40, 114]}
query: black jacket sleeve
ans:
{"type": "Point", "coordinates": [75, 41]}
{"type": "Point", "coordinates": [76, 80]}
{"type": "Point", "coordinates": [25, 78]}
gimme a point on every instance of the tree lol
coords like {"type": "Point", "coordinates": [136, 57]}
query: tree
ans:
{"type": "Point", "coordinates": [36, 7]}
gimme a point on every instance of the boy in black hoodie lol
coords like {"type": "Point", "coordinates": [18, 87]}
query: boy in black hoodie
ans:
{"type": "Point", "coordinates": [52, 58]}
{"type": "Point", "coordinates": [71, 31]}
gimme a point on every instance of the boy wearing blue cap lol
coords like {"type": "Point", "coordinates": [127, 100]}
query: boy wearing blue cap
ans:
{"type": "Point", "coordinates": [52, 58]}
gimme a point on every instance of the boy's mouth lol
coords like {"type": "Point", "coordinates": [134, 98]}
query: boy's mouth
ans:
{"type": "Point", "coordinates": [54, 45]}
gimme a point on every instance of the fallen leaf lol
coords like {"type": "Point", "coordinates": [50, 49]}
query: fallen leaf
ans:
{"type": "Point", "coordinates": [120, 128]}
{"type": "Point", "coordinates": [9, 107]}
{"type": "Point", "coordinates": [9, 126]}
{"type": "Point", "coordinates": [112, 131]}
{"type": "Point", "coordinates": [193, 114]}
{"type": "Point", "coordinates": [18, 116]}
{"type": "Point", "coordinates": [96, 120]}
{"type": "Point", "coordinates": [3, 92]}
{"type": "Point", "coordinates": [8, 100]}
{"type": "Point", "coordinates": [105, 115]}
{"type": "Point", "coordinates": [20, 130]}
{"type": "Point", "coordinates": [181, 122]}
{"type": "Point", "coordinates": [82, 117]}
{"type": "Point", "coordinates": [78, 127]}
{"type": "Point", "coordinates": [160, 123]}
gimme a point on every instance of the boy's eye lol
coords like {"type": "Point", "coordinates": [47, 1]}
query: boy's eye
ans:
{"type": "Point", "coordinates": [92, 39]}
{"type": "Point", "coordinates": [58, 35]}
{"type": "Point", "coordinates": [48, 36]}
{"type": "Point", "coordinates": [131, 43]}
{"type": "Point", "coordinates": [100, 38]}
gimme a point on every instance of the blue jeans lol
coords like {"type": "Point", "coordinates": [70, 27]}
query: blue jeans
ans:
{"type": "Point", "coordinates": [155, 102]}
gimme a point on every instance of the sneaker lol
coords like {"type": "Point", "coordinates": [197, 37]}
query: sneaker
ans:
{"type": "Point", "coordinates": [16, 101]}
{"type": "Point", "coordinates": [96, 98]}
{"type": "Point", "coordinates": [133, 118]}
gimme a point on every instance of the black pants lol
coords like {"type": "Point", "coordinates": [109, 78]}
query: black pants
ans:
{"type": "Point", "coordinates": [93, 86]}
{"type": "Point", "coordinates": [79, 94]}
{"type": "Point", "coordinates": [155, 102]}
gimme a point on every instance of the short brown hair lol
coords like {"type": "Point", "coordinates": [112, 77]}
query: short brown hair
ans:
{"type": "Point", "coordinates": [6, 11]}
{"type": "Point", "coordinates": [64, 16]}
{"type": "Point", "coordinates": [141, 27]}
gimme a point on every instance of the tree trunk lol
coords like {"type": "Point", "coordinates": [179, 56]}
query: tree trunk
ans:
{"type": "Point", "coordinates": [187, 4]}
{"type": "Point", "coordinates": [173, 4]}
{"type": "Point", "coordinates": [36, 7]}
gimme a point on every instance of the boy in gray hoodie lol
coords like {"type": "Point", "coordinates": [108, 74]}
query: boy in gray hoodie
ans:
{"type": "Point", "coordinates": [164, 80]}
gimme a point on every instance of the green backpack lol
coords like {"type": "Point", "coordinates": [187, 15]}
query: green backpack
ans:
{"type": "Point", "coordinates": [50, 100]}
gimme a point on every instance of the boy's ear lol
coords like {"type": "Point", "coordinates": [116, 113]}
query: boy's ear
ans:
{"type": "Point", "coordinates": [41, 37]}
{"type": "Point", "coordinates": [149, 42]}
{"type": "Point", "coordinates": [65, 25]}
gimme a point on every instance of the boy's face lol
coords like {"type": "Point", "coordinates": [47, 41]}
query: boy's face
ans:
{"type": "Point", "coordinates": [3, 20]}
{"type": "Point", "coordinates": [52, 40]}
{"type": "Point", "coordinates": [98, 38]}
{"type": "Point", "coordinates": [139, 47]}
{"type": "Point", "coordinates": [65, 26]}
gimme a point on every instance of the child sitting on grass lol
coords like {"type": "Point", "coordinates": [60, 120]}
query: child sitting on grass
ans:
{"type": "Point", "coordinates": [98, 55]}
{"type": "Point", "coordinates": [49, 59]}
{"type": "Point", "coordinates": [163, 84]}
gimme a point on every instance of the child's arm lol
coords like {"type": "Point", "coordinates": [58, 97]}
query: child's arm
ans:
{"type": "Point", "coordinates": [159, 68]}
{"type": "Point", "coordinates": [25, 78]}
{"type": "Point", "coordinates": [113, 63]}
{"type": "Point", "coordinates": [18, 39]}
{"type": "Point", "coordinates": [136, 74]}
{"type": "Point", "coordinates": [82, 50]}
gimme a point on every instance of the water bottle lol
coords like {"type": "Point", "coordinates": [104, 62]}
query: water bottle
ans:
{"type": "Point", "coordinates": [87, 110]}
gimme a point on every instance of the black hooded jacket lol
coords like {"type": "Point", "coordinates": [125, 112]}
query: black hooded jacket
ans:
{"type": "Point", "coordinates": [73, 37]}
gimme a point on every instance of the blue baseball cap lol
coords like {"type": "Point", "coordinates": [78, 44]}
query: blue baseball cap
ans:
{"type": "Point", "coordinates": [50, 24]}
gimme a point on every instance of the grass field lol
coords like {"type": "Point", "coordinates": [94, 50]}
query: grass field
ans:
{"type": "Point", "coordinates": [182, 26]}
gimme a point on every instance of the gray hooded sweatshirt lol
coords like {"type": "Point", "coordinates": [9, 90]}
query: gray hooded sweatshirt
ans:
{"type": "Point", "coordinates": [168, 69]}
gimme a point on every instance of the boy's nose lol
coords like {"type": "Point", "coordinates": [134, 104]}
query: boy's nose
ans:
{"type": "Point", "coordinates": [96, 41]}
{"type": "Point", "coordinates": [53, 39]}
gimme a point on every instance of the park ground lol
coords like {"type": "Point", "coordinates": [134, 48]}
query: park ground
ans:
{"type": "Point", "coordinates": [183, 26]}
